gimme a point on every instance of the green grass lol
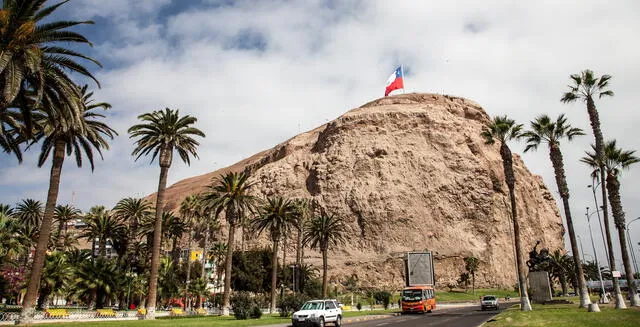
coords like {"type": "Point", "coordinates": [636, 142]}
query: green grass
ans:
{"type": "Point", "coordinates": [566, 315]}
{"type": "Point", "coordinates": [465, 297]}
{"type": "Point", "coordinates": [201, 321]}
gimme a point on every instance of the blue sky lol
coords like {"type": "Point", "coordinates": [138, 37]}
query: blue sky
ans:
{"type": "Point", "coordinates": [256, 73]}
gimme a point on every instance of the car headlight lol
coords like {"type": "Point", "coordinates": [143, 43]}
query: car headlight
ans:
{"type": "Point", "coordinates": [313, 315]}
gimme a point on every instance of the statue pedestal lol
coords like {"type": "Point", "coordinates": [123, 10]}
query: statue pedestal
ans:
{"type": "Point", "coordinates": [540, 288]}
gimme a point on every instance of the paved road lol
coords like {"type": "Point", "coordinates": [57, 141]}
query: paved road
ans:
{"type": "Point", "coordinates": [459, 317]}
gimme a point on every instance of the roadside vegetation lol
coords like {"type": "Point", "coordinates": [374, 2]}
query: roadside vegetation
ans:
{"type": "Point", "coordinates": [567, 315]}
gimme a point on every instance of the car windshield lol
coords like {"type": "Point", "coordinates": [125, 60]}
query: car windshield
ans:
{"type": "Point", "coordinates": [489, 298]}
{"type": "Point", "coordinates": [311, 305]}
{"type": "Point", "coordinates": [412, 295]}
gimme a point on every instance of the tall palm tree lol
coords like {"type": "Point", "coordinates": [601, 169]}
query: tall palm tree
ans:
{"type": "Point", "coordinates": [161, 133]}
{"type": "Point", "coordinates": [134, 211]}
{"type": "Point", "coordinates": [190, 209]}
{"type": "Point", "coordinates": [208, 224]}
{"type": "Point", "coordinates": [302, 214]}
{"type": "Point", "coordinates": [545, 130]}
{"type": "Point", "coordinates": [615, 160]}
{"type": "Point", "coordinates": [585, 87]}
{"type": "Point", "coordinates": [321, 232]}
{"type": "Point", "coordinates": [35, 56]}
{"type": "Point", "coordinates": [503, 130]}
{"type": "Point", "coordinates": [219, 251]}
{"type": "Point", "coordinates": [229, 194]}
{"type": "Point", "coordinates": [57, 130]}
{"type": "Point", "coordinates": [276, 216]}
{"type": "Point", "coordinates": [63, 214]}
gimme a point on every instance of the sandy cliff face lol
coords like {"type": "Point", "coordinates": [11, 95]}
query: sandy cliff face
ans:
{"type": "Point", "coordinates": [407, 173]}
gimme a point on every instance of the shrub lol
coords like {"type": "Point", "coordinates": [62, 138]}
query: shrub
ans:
{"type": "Point", "coordinates": [256, 313]}
{"type": "Point", "coordinates": [383, 297]}
{"type": "Point", "coordinates": [241, 303]}
{"type": "Point", "coordinates": [359, 306]}
{"type": "Point", "coordinates": [291, 304]}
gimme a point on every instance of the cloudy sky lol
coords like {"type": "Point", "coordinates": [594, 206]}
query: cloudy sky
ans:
{"type": "Point", "coordinates": [256, 73]}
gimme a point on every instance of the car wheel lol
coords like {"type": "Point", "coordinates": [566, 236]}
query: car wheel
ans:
{"type": "Point", "coordinates": [321, 322]}
{"type": "Point", "coordinates": [339, 321]}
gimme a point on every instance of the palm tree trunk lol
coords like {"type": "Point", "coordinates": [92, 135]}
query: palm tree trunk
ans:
{"type": "Point", "coordinates": [227, 269]}
{"type": "Point", "coordinates": [507, 162]}
{"type": "Point", "coordinates": [473, 282]}
{"type": "Point", "coordinates": [274, 276]}
{"type": "Point", "coordinates": [45, 231]}
{"type": "Point", "coordinates": [613, 186]}
{"type": "Point", "coordinates": [133, 232]}
{"type": "Point", "coordinates": [103, 247]}
{"type": "Point", "coordinates": [563, 284]}
{"type": "Point", "coordinates": [284, 252]}
{"type": "Point", "coordinates": [60, 240]}
{"type": "Point", "coordinates": [157, 238]}
{"type": "Point", "coordinates": [174, 251]}
{"type": "Point", "coordinates": [561, 181]}
{"type": "Point", "coordinates": [594, 120]}
{"type": "Point", "coordinates": [325, 270]}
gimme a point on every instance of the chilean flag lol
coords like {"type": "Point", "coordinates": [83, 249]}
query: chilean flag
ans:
{"type": "Point", "coordinates": [395, 81]}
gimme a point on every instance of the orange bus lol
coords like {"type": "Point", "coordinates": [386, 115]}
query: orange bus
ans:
{"type": "Point", "coordinates": [418, 299]}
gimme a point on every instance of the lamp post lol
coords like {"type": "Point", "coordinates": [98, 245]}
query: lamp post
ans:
{"type": "Point", "coordinates": [603, 298]}
{"type": "Point", "coordinates": [595, 200]}
{"type": "Point", "coordinates": [581, 249]}
{"type": "Point", "coordinates": [633, 255]}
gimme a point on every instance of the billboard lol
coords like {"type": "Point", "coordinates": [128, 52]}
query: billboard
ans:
{"type": "Point", "coordinates": [419, 269]}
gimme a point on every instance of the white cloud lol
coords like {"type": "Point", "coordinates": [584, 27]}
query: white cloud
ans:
{"type": "Point", "coordinates": [318, 59]}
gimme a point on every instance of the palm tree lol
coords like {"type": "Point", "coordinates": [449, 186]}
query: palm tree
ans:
{"type": "Point", "coordinates": [167, 283]}
{"type": "Point", "coordinates": [229, 194]}
{"type": "Point", "coordinates": [104, 226]}
{"type": "Point", "coordinates": [471, 264]}
{"type": "Point", "coordinates": [219, 251]}
{"type": "Point", "coordinates": [63, 215]}
{"type": "Point", "coordinates": [321, 232]}
{"type": "Point", "coordinates": [96, 281]}
{"type": "Point", "coordinates": [302, 213]}
{"type": "Point", "coordinates": [544, 130]}
{"type": "Point", "coordinates": [615, 160]}
{"type": "Point", "coordinates": [585, 86]}
{"type": "Point", "coordinates": [29, 212]}
{"type": "Point", "coordinates": [57, 273]}
{"type": "Point", "coordinates": [209, 224]}
{"type": "Point", "coordinates": [175, 229]}
{"type": "Point", "coordinates": [557, 265]}
{"type": "Point", "coordinates": [190, 210]}
{"type": "Point", "coordinates": [276, 216]}
{"type": "Point", "coordinates": [504, 130]}
{"type": "Point", "coordinates": [59, 131]}
{"type": "Point", "coordinates": [134, 211]}
{"type": "Point", "coordinates": [10, 245]}
{"type": "Point", "coordinates": [161, 133]}
{"type": "Point", "coordinates": [33, 59]}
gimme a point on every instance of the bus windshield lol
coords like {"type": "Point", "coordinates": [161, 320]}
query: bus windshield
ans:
{"type": "Point", "coordinates": [412, 295]}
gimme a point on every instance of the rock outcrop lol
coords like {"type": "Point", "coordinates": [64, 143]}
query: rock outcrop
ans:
{"type": "Point", "coordinates": [406, 173]}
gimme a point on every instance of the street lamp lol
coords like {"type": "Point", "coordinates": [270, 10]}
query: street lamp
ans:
{"type": "Point", "coordinates": [595, 200]}
{"type": "Point", "coordinates": [603, 298]}
{"type": "Point", "coordinates": [633, 255]}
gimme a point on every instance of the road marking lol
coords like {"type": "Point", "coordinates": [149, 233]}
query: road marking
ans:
{"type": "Point", "coordinates": [382, 324]}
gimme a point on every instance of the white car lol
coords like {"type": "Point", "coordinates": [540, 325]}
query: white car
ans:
{"type": "Point", "coordinates": [318, 313]}
{"type": "Point", "coordinates": [489, 301]}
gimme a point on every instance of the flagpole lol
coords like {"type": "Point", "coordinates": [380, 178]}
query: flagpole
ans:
{"type": "Point", "coordinates": [402, 73]}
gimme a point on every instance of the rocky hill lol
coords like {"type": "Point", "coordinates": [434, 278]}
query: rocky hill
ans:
{"type": "Point", "coordinates": [407, 173]}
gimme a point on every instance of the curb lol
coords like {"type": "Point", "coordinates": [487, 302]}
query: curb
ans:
{"type": "Point", "coordinates": [370, 317]}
